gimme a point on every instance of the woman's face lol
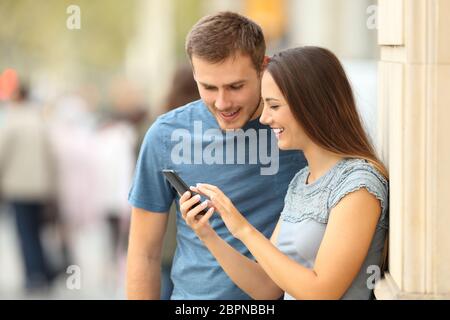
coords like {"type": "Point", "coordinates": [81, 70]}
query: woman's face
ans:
{"type": "Point", "coordinates": [277, 114]}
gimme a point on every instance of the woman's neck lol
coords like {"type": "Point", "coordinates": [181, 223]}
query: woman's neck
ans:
{"type": "Point", "coordinates": [320, 161]}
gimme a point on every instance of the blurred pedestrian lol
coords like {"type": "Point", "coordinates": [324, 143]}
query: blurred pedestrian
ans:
{"type": "Point", "coordinates": [116, 140]}
{"type": "Point", "coordinates": [127, 104]}
{"type": "Point", "coordinates": [27, 182]}
{"type": "Point", "coordinates": [2, 113]}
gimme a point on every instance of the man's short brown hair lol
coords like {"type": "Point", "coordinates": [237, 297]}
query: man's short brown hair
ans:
{"type": "Point", "coordinates": [217, 37]}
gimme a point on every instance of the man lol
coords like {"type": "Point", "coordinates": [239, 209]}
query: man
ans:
{"type": "Point", "coordinates": [215, 140]}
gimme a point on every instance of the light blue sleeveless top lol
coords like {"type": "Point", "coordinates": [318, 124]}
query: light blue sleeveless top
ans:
{"type": "Point", "coordinates": [307, 208]}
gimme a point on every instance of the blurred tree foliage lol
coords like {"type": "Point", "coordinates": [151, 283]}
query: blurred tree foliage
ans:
{"type": "Point", "coordinates": [33, 34]}
{"type": "Point", "coordinates": [187, 12]}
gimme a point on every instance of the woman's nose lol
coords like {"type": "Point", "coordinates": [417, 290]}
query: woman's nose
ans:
{"type": "Point", "coordinates": [265, 117]}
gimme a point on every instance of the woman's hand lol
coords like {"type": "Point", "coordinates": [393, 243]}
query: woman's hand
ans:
{"type": "Point", "coordinates": [189, 212]}
{"type": "Point", "coordinates": [233, 219]}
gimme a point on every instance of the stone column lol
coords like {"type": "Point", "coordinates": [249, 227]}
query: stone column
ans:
{"type": "Point", "coordinates": [413, 137]}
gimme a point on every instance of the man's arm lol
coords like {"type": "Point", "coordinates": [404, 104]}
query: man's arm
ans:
{"type": "Point", "coordinates": [146, 237]}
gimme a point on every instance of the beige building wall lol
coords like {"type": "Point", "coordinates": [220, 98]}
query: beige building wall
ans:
{"type": "Point", "coordinates": [339, 25]}
{"type": "Point", "coordinates": [414, 131]}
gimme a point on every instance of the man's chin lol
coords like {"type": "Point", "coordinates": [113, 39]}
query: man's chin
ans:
{"type": "Point", "coordinates": [233, 125]}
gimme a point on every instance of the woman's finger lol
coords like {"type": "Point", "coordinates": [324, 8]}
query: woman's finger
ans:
{"type": "Point", "coordinates": [216, 197]}
{"type": "Point", "coordinates": [195, 189]}
{"type": "Point", "coordinates": [191, 216]}
{"type": "Point", "coordinates": [185, 196]}
{"type": "Point", "coordinates": [195, 211]}
{"type": "Point", "coordinates": [204, 191]}
{"type": "Point", "coordinates": [209, 187]}
{"type": "Point", "coordinates": [218, 204]}
{"type": "Point", "coordinates": [208, 215]}
{"type": "Point", "coordinates": [185, 206]}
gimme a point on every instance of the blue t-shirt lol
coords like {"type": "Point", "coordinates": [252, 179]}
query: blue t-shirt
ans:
{"type": "Point", "coordinates": [245, 164]}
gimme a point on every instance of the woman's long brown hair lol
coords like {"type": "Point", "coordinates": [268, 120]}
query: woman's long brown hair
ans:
{"type": "Point", "coordinates": [320, 97]}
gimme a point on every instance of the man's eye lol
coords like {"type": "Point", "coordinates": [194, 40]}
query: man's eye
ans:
{"type": "Point", "coordinates": [236, 87]}
{"type": "Point", "coordinates": [209, 88]}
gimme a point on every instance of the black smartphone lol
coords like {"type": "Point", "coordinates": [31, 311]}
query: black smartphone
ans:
{"type": "Point", "coordinates": [179, 185]}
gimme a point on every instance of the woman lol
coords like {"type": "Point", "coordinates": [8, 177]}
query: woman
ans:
{"type": "Point", "coordinates": [333, 227]}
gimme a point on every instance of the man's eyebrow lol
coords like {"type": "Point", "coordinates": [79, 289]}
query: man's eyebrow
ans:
{"type": "Point", "coordinates": [205, 84]}
{"type": "Point", "coordinates": [235, 83]}
{"type": "Point", "coordinates": [226, 85]}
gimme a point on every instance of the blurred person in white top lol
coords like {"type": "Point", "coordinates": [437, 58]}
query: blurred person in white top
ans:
{"type": "Point", "coordinates": [27, 181]}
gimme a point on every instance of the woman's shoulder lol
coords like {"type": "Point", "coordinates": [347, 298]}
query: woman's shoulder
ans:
{"type": "Point", "coordinates": [357, 171]}
{"type": "Point", "coordinates": [355, 174]}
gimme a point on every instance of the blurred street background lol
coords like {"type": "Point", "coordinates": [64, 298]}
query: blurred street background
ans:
{"type": "Point", "coordinates": [80, 83]}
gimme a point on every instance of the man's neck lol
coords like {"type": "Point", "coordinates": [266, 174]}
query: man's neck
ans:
{"type": "Point", "coordinates": [258, 110]}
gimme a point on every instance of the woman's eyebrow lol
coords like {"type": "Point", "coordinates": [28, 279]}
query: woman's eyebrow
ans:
{"type": "Point", "coordinates": [271, 99]}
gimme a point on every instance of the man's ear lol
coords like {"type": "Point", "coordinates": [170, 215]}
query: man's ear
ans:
{"type": "Point", "coordinates": [265, 62]}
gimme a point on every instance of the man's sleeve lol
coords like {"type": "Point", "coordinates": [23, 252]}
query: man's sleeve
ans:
{"type": "Point", "coordinates": [150, 191]}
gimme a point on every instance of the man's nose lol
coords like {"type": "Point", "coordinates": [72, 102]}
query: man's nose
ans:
{"type": "Point", "coordinates": [223, 101]}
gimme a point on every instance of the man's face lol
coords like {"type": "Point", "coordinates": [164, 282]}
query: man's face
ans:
{"type": "Point", "coordinates": [230, 89]}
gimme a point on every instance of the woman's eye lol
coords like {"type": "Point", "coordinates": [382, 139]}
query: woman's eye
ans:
{"type": "Point", "coordinates": [274, 107]}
